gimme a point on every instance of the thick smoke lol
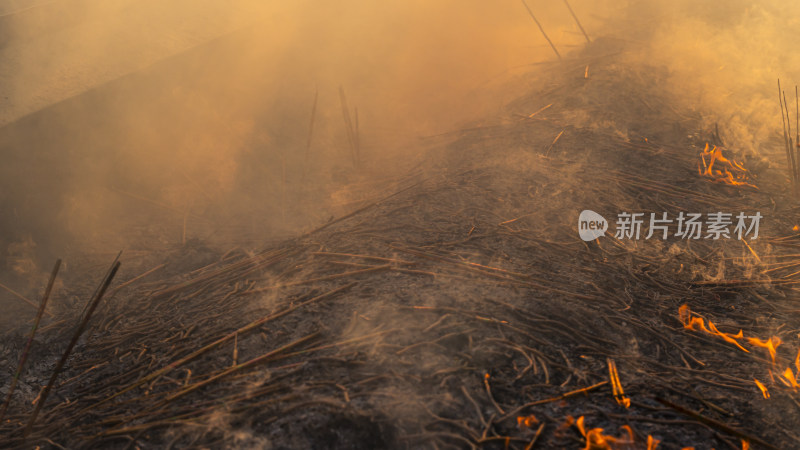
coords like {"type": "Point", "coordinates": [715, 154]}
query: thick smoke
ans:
{"type": "Point", "coordinates": [144, 124]}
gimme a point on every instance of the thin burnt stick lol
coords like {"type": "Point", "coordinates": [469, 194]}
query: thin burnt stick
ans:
{"type": "Point", "coordinates": [585, 390]}
{"type": "Point", "coordinates": [547, 153]}
{"type": "Point", "coordinates": [715, 424]}
{"type": "Point", "coordinates": [22, 297]}
{"type": "Point", "coordinates": [235, 349]}
{"type": "Point", "coordinates": [357, 139]}
{"type": "Point", "coordinates": [78, 332]}
{"type": "Point", "coordinates": [220, 341]}
{"type": "Point", "coordinates": [436, 257]}
{"type": "Point", "coordinates": [790, 158]}
{"type": "Point", "coordinates": [135, 279]}
{"type": "Point", "coordinates": [489, 393]}
{"type": "Point", "coordinates": [375, 258]}
{"type": "Point", "coordinates": [99, 287]}
{"type": "Point", "coordinates": [362, 209]}
{"type": "Point", "coordinates": [460, 424]}
{"type": "Point", "coordinates": [311, 125]}
{"type": "Point", "coordinates": [348, 122]}
{"type": "Point", "coordinates": [579, 25]}
{"type": "Point", "coordinates": [255, 261]}
{"type": "Point", "coordinates": [797, 131]}
{"type": "Point", "coordinates": [26, 350]}
{"type": "Point", "coordinates": [789, 134]}
{"type": "Point", "coordinates": [542, 30]}
{"type": "Point", "coordinates": [535, 438]}
{"type": "Point", "coordinates": [506, 440]}
{"type": "Point", "coordinates": [325, 278]}
{"type": "Point", "coordinates": [474, 404]}
{"type": "Point", "coordinates": [258, 360]}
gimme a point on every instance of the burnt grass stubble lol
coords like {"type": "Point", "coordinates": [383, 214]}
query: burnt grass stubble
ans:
{"type": "Point", "coordinates": [430, 318]}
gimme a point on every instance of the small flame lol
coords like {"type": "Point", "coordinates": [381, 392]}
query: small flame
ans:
{"type": "Point", "coordinates": [721, 169]}
{"type": "Point", "coordinates": [526, 421]}
{"type": "Point", "coordinates": [698, 324]}
{"type": "Point", "coordinates": [764, 390]}
{"type": "Point", "coordinates": [797, 361]}
{"type": "Point", "coordinates": [796, 228]}
{"type": "Point", "coordinates": [616, 385]}
{"type": "Point", "coordinates": [771, 344]}
{"type": "Point", "coordinates": [789, 379]}
{"type": "Point", "coordinates": [596, 440]}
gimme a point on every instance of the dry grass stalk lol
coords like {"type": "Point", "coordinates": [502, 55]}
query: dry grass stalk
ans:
{"type": "Point", "coordinates": [542, 30]}
{"type": "Point", "coordinates": [78, 332]}
{"type": "Point", "coordinates": [350, 128]}
{"type": "Point", "coordinates": [26, 350]}
{"type": "Point", "coordinates": [311, 124]}
{"type": "Point", "coordinates": [790, 155]}
{"type": "Point", "coordinates": [579, 23]}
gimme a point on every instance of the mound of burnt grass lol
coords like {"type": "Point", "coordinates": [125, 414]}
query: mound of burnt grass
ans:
{"type": "Point", "coordinates": [464, 311]}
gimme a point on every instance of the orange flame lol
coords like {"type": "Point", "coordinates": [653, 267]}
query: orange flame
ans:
{"type": "Point", "coordinates": [721, 169]}
{"type": "Point", "coordinates": [697, 324]}
{"type": "Point", "coordinates": [526, 421]}
{"type": "Point", "coordinates": [789, 379]}
{"type": "Point", "coordinates": [596, 440]}
{"type": "Point", "coordinates": [616, 385]}
{"type": "Point", "coordinates": [763, 388]}
{"type": "Point", "coordinates": [771, 344]}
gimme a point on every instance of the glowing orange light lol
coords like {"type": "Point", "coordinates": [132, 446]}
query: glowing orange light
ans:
{"type": "Point", "coordinates": [616, 385]}
{"type": "Point", "coordinates": [721, 169]}
{"type": "Point", "coordinates": [527, 421]}
{"type": "Point", "coordinates": [789, 379]}
{"type": "Point", "coordinates": [698, 324]}
{"type": "Point", "coordinates": [763, 388]}
{"type": "Point", "coordinates": [596, 440]}
{"type": "Point", "coordinates": [771, 344]}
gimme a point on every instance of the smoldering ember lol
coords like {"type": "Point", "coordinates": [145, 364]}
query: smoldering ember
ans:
{"type": "Point", "coordinates": [367, 225]}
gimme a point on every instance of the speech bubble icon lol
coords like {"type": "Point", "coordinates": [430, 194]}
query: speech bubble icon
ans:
{"type": "Point", "coordinates": [591, 225]}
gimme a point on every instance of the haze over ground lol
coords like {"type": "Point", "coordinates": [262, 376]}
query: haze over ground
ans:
{"type": "Point", "coordinates": [137, 124]}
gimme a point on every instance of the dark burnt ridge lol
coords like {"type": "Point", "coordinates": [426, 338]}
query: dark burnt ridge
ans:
{"type": "Point", "coordinates": [463, 310]}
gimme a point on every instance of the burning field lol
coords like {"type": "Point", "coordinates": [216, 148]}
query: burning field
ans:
{"type": "Point", "coordinates": [604, 261]}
